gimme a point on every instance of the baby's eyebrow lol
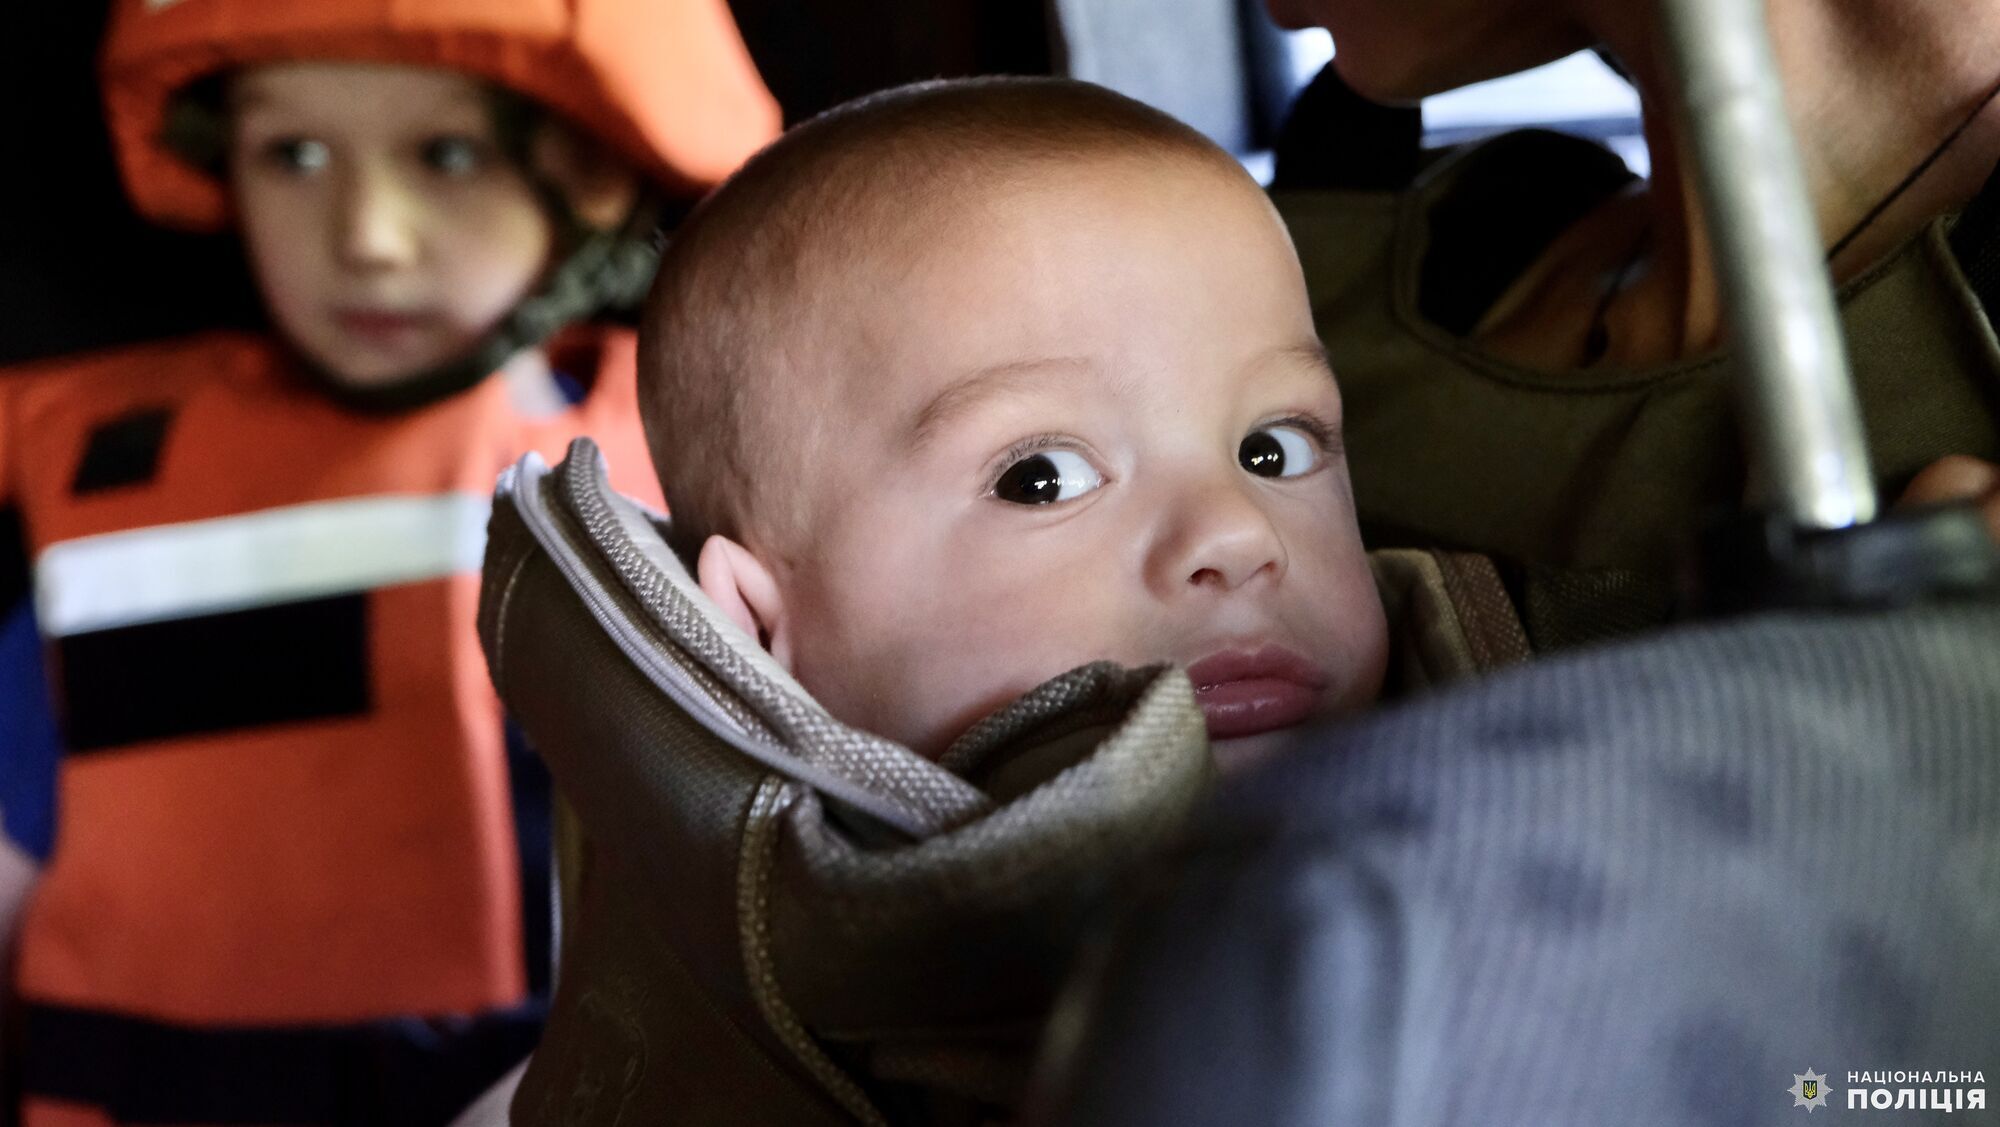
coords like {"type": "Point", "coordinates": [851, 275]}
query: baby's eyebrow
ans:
{"type": "Point", "coordinates": [982, 385]}
{"type": "Point", "coordinates": [1311, 351]}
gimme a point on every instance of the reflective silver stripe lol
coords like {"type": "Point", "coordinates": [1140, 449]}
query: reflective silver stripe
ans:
{"type": "Point", "coordinates": [256, 559]}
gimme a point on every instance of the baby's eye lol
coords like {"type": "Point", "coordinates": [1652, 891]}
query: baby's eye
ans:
{"type": "Point", "coordinates": [299, 155]}
{"type": "Point", "coordinates": [1047, 476]}
{"type": "Point", "coordinates": [1278, 451]}
{"type": "Point", "coordinates": [454, 155]}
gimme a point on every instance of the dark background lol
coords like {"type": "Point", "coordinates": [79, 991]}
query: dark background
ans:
{"type": "Point", "coordinates": [79, 270]}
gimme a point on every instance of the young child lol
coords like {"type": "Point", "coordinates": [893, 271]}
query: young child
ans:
{"type": "Point", "coordinates": [962, 386]}
{"type": "Point", "coordinates": [286, 883]}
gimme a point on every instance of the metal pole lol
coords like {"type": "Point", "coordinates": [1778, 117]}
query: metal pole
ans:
{"type": "Point", "coordinates": [1804, 426]}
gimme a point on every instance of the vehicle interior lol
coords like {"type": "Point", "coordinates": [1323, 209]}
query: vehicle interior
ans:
{"type": "Point", "coordinates": [1650, 826]}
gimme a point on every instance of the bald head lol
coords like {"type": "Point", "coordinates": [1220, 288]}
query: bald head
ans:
{"type": "Point", "coordinates": [742, 333]}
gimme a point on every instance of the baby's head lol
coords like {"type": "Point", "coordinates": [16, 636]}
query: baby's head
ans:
{"type": "Point", "coordinates": [962, 386]}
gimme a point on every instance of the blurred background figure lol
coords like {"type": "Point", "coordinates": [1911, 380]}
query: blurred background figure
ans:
{"type": "Point", "coordinates": [297, 867]}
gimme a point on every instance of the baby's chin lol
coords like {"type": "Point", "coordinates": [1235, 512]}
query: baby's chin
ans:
{"type": "Point", "coordinates": [1245, 753]}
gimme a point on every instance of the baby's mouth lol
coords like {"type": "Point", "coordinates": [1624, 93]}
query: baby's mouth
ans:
{"type": "Point", "coordinates": [1246, 692]}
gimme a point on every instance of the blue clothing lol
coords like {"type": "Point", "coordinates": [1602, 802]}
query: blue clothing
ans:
{"type": "Point", "coordinates": [28, 745]}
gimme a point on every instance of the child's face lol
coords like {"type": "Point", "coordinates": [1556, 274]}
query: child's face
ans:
{"type": "Point", "coordinates": [387, 230]}
{"type": "Point", "coordinates": [1089, 420]}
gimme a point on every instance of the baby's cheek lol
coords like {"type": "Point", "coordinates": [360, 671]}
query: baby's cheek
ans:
{"type": "Point", "coordinates": [917, 673]}
{"type": "Point", "coordinates": [991, 658]}
{"type": "Point", "coordinates": [1367, 655]}
{"type": "Point", "coordinates": [1350, 628]}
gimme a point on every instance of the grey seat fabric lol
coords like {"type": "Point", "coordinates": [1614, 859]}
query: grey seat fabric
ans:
{"type": "Point", "coordinates": [1642, 884]}
{"type": "Point", "coordinates": [1219, 65]}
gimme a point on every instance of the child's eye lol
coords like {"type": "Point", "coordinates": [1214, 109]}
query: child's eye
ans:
{"type": "Point", "coordinates": [301, 155]}
{"type": "Point", "coordinates": [1046, 477]}
{"type": "Point", "coordinates": [454, 156]}
{"type": "Point", "coordinates": [1278, 451]}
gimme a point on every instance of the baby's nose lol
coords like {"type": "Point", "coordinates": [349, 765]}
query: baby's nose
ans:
{"type": "Point", "coordinates": [1221, 541]}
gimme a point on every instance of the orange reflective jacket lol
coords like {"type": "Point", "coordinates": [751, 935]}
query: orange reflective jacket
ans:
{"type": "Point", "coordinates": [284, 805]}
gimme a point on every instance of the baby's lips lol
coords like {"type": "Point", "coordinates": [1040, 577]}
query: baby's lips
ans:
{"type": "Point", "coordinates": [1246, 692]}
{"type": "Point", "coordinates": [1267, 662]}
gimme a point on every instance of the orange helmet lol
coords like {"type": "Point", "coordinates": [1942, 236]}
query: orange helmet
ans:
{"type": "Point", "coordinates": [666, 83]}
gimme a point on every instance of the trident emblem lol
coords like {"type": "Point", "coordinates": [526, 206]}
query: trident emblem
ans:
{"type": "Point", "coordinates": [1808, 1091]}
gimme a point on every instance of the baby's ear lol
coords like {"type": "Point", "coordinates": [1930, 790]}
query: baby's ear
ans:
{"type": "Point", "coordinates": [601, 188]}
{"type": "Point", "coordinates": [745, 590]}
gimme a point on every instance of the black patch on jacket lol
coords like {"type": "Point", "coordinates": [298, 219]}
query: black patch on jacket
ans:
{"type": "Point", "coordinates": [124, 451]}
{"type": "Point", "coordinates": [221, 672]}
{"type": "Point", "coordinates": [14, 571]}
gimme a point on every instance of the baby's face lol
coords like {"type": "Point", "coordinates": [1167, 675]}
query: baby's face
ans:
{"type": "Point", "coordinates": [1088, 420]}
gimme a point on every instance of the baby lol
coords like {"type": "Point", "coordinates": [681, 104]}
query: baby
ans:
{"type": "Point", "coordinates": [967, 384]}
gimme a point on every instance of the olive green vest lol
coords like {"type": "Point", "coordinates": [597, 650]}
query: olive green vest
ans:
{"type": "Point", "coordinates": [1599, 472]}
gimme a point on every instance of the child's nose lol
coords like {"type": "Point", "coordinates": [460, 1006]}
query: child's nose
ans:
{"type": "Point", "coordinates": [1219, 539]}
{"type": "Point", "coordinates": [376, 226]}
